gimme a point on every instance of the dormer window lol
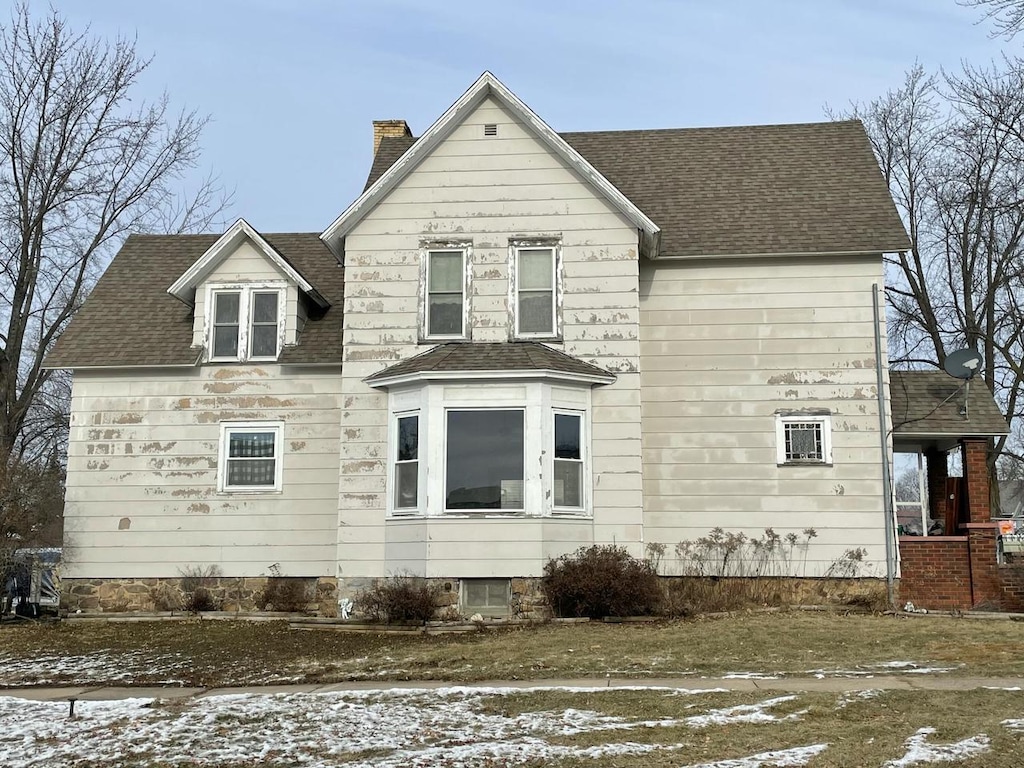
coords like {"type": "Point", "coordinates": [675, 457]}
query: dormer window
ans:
{"type": "Point", "coordinates": [245, 322]}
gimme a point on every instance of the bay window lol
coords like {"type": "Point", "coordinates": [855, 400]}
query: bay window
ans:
{"type": "Point", "coordinates": [486, 448]}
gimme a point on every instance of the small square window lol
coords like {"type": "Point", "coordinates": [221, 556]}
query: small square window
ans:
{"type": "Point", "coordinates": [250, 457]}
{"type": "Point", "coordinates": [803, 438]}
{"type": "Point", "coordinates": [488, 597]}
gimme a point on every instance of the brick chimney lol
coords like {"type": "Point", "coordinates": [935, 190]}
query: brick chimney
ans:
{"type": "Point", "coordinates": [388, 129]}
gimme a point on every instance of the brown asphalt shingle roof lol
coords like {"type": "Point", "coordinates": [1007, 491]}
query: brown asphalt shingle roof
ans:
{"type": "Point", "coordinates": [130, 319]}
{"type": "Point", "coordinates": [468, 356]}
{"type": "Point", "coordinates": [929, 403]}
{"type": "Point", "coordinates": [772, 189]}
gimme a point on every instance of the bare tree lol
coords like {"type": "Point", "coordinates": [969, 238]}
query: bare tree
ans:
{"type": "Point", "coordinates": [1006, 15]}
{"type": "Point", "coordinates": [951, 148]}
{"type": "Point", "coordinates": [82, 164]}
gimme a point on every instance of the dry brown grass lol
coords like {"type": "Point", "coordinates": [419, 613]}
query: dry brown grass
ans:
{"type": "Point", "coordinates": [795, 643]}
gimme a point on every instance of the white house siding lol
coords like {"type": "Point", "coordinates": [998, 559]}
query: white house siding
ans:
{"type": "Point", "coordinates": [142, 497]}
{"type": "Point", "coordinates": [724, 345]}
{"type": "Point", "coordinates": [487, 191]}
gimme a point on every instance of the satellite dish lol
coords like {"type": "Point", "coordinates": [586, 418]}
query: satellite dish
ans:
{"type": "Point", "coordinates": [964, 363]}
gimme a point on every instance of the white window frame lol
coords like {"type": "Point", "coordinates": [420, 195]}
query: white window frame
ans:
{"type": "Point", "coordinates": [539, 401]}
{"type": "Point", "coordinates": [824, 422]}
{"type": "Point", "coordinates": [444, 477]}
{"type": "Point", "coordinates": [272, 427]}
{"type": "Point", "coordinates": [465, 250]}
{"type": "Point", "coordinates": [246, 293]}
{"type": "Point", "coordinates": [583, 460]}
{"type": "Point", "coordinates": [393, 464]}
{"type": "Point", "coordinates": [556, 287]}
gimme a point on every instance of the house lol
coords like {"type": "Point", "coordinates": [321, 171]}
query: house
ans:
{"type": "Point", "coordinates": [514, 343]}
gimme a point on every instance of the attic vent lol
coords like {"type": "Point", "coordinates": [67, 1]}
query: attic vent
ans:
{"type": "Point", "coordinates": [491, 129]}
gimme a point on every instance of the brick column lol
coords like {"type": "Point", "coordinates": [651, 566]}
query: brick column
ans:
{"type": "Point", "coordinates": [975, 453]}
{"type": "Point", "coordinates": [938, 472]}
{"type": "Point", "coordinates": [986, 584]}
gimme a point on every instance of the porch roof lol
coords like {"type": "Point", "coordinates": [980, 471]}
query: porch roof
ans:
{"type": "Point", "coordinates": [933, 409]}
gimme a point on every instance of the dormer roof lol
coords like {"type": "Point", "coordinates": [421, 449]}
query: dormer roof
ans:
{"type": "Point", "coordinates": [184, 288]}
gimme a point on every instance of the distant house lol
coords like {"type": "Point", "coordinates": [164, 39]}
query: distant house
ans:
{"type": "Point", "coordinates": [514, 343]}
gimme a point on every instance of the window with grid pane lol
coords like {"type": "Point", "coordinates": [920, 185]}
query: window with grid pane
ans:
{"type": "Point", "coordinates": [804, 439]}
{"type": "Point", "coordinates": [535, 292]}
{"type": "Point", "coordinates": [251, 457]}
{"type": "Point", "coordinates": [446, 286]}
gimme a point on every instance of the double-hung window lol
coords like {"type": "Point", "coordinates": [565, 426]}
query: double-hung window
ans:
{"type": "Point", "coordinates": [484, 459]}
{"type": "Point", "coordinates": [250, 457]}
{"type": "Point", "coordinates": [407, 463]}
{"type": "Point", "coordinates": [536, 283]}
{"type": "Point", "coordinates": [445, 311]}
{"type": "Point", "coordinates": [568, 460]}
{"type": "Point", "coordinates": [803, 438]}
{"type": "Point", "coordinates": [245, 323]}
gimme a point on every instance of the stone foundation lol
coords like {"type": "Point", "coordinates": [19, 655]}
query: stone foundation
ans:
{"type": "Point", "coordinates": [215, 593]}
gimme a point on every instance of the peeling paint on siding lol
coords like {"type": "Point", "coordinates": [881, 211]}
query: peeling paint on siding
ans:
{"type": "Point", "coordinates": [124, 524]}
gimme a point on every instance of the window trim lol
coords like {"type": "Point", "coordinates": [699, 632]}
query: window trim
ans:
{"type": "Point", "coordinates": [555, 246]}
{"type": "Point", "coordinates": [804, 417]}
{"type": "Point", "coordinates": [521, 509]}
{"type": "Point", "coordinates": [426, 250]}
{"type": "Point", "coordinates": [246, 293]}
{"type": "Point", "coordinates": [226, 429]}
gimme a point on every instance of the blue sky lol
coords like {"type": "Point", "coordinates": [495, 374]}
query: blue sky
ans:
{"type": "Point", "coordinates": [292, 86]}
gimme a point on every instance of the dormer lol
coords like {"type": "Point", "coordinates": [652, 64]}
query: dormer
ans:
{"type": "Point", "coordinates": [249, 302]}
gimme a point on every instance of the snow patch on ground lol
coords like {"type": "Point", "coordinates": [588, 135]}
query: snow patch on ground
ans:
{"type": "Point", "coordinates": [744, 713]}
{"type": "Point", "coordinates": [780, 758]}
{"type": "Point", "coordinates": [870, 670]}
{"type": "Point", "coordinates": [920, 751]}
{"type": "Point", "coordinates": [854, 696]}
{"type": "Point", "coordinates": [90, 668]}
{"type": "Point", "coordinates": [386, 729]}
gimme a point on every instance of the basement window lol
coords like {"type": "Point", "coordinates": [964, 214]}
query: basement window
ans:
{"type": "Point", "coordinates": [488, 597]}
{"type": "Point", "coordinates": [803, 438]}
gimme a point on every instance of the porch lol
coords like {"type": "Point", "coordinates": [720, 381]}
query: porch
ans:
{"type": "Point", "coordinates": [949, 544]}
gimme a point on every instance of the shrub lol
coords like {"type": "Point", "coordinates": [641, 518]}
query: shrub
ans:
{"type": "Point", "coordinates": [601, 581]}
{"type": "Point", "coordinates": [165, 597]}
{"type": "Point", "coordinates": [399, 598]}
{"type": "Point", "coordinates": [285, 594]}
{"type": "Point", "coordinates": [196, 581]}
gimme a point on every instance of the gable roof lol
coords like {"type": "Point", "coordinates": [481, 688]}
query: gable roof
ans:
{"type": "Point", "coordinates": [929, 403]}
{"type": "Point", "coordinates": [184, 287]}
{"type": "Point", "coordinates": [487, 85]}
{"type": "Point", "coordinates": [129, 318]}
{"type": "Point", "coordinates": [812, 188]}
{"type": "Point", "coordinates": [515, 358]}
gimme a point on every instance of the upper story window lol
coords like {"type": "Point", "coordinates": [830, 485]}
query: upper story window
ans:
{"type": "Point", "coordinates": [245, 322]}
{"type": "Point", "coordinates": [535, 289]}
{"type": "Point", "coordinates": [803, 438]}
{"type": "Point", "coordinates": [445, 294]}
{"type": "Point", "coordinates": [250, 457]}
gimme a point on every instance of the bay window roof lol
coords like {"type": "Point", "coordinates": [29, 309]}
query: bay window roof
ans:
{"type": "Point", "coordinates": [512, 359]}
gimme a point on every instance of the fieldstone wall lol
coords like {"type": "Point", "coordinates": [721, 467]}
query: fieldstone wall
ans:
{"type": "Point", "coordinates": [258, 593]}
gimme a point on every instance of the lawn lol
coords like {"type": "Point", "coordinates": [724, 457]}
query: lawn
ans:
{"type": "Point", "coordinates": [207, 653]}
{"type": "Point", "coordinates": [642, 724]}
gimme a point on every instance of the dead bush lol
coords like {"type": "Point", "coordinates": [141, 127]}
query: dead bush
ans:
{"type": "Point", "coordinates": [399, 598]}
{"type": "Point", "coordinates": [601, 581]}
{"type": "Point", "coordinates": [283, 593]}
{"type": "Point", "coordinates": [197, 582]}
{"type": "Point", "coordinates": [165, 597]}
